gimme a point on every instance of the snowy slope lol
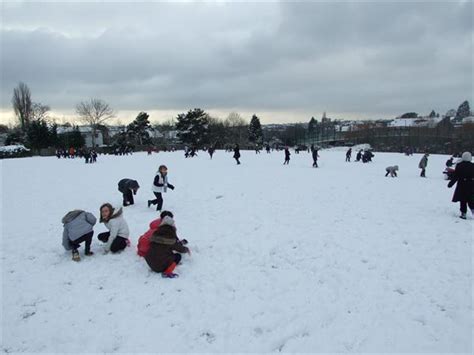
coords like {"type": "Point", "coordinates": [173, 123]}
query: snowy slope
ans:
{"type": "Point", "coordinates": [285, 258]}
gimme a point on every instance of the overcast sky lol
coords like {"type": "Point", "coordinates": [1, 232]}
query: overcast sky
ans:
{"type": "Point", "coordinates": [284, 61]}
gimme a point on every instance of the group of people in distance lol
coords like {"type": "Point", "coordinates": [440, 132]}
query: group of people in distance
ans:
{"type": "Point", "coordinates": [160, 245]}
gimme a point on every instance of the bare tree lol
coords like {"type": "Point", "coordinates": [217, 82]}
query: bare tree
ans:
{"type": "Point", "coordinates": [94, 112]}
{"type": "Point", "coordinates": [236, 125]}
{"type": "Point", "coordinates": [22, 104]}
{"type": "Point", "coordinates": [39, 112]}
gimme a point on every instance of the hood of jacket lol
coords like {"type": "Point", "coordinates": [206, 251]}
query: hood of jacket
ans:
{"type": "Point", "coordinates": [166, 235]}
{"type": "Point", "coordinates": [71, 215]}
{"type": "Point", "coordinates": [168, 221]}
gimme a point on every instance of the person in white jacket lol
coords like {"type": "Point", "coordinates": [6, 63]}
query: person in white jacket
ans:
{"type": "Point", "coordinates": [116, 239]}
{"type": "Point", "coordinates": [160, 185]}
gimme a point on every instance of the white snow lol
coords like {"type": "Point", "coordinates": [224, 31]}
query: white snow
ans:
{"type": "Point", "coordinates": [285, 258]}
{"type": "Point", "coordinates": [17, 148]}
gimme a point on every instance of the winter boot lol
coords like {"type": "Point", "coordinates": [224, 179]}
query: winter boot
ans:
{"type": "Point", "coordinates": [149, 203]}
{"type": "Point", "coordinates": [169, 275]}
{"type": "Point", "coordinates": [462, 216]}
{"type": "Point", "coordinates": [75, 256]}
{"type": "Point", "coordinates": [89, 253]}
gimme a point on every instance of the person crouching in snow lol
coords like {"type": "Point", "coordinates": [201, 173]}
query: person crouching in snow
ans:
{"type": "Point", "coordinates": [116, 239]}
{"type": "Point", "coordinates": [78, 226]}
{"type": "Point", "coordinates": [464, 177]}
{"type": "Point", "coordinates": [160, 185]}
{"type": "Point", "coordinates": [161, 256]}
{"type": "Point", "coordinates": [143, 245]}
{"type": "Point", "coordinates": [128, 188]}
{"type": "Point", "coordinates": [391, 170]}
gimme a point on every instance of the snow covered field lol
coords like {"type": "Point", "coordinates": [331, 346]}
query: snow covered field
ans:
{"type": "Point", "coordinates": [285, 258]}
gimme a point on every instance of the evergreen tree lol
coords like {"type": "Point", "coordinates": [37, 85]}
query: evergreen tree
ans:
{"type": "Point", "coordinates": [409, 115]}
{"type": "Point", "coordinates": [193, 127]}
{"type": "Point", "coordinates": [38, 135]}
{"type": "Point", "coordinates": [71, 139]}
{"type": "Point", "coordinates": [463, 111]}
{"type": "Point", "coordinates": [139, 128]}
{"type": "Point", "coordinates": [255, 130]}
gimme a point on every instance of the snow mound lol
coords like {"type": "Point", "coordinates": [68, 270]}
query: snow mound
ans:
{"type": "Point", "coordinates": [18, 148]}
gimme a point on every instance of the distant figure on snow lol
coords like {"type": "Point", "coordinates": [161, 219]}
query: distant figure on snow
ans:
{"type": "Point", "coordinates": [268, 148]}
{"type": "Point", "coordinates": [359, 155]}
{"type": "Point", "coordinates": [237, 154]}
{"type": "Point", "coordinates": [78, 228]}
{"type": "Point", "coordinates": [160, 185]}
{"type": "Point", "coordinates": [116, 239]}
{"type": "Point", "coordinates": [348, 155]}
{"type": "Point", "coordinates": [450, 162]}
{"type": "Point", "coordinates": [391, 170]}
{"type": "Point", "coordinates": [128, 188]}
{"type": "Point", "coordinates": [464, 177]}
{"type": "Point", "coordinates": [423, 164]}
{"type": "Point", "coordinates": [287, 156]}
{"type": "Point", "coordinates": [315, 157]}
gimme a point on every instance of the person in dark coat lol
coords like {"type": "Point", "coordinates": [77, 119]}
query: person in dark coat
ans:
{"type": "Point", "coordinates": [464, 177]}
{"type": "Point", "coordinates": [348, 155]}
{"type": "Point", "coordinates": [449, 162]}
{"type": "Point", "coordinates": [128, 188]}
{"type": "Point", "coordinates": [315, 157]}
{"type": "Point", "coordinates": [161, 256]}
{"type": "Point", "coordinates": [359, 155]}
{"type": "Point", "coordinates": [287, 156]}
{"type": "Point", "coordinates": [211, 151]}
{"type": "Point", "coordinates": [268, 148]}
{"type": "Point", "coordinates": [237, 154]}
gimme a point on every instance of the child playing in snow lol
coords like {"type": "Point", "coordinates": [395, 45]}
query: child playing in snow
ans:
{"type": "Point", "coordinates": [391, 170]}
{"type": "Point", "coordinates": [128, 188]}
{"type": "Point", "coordinates": [78, 226]}
{"type": "Point", "coordinates": [143, 245]}
{"type": "Point", "coordinates": [116, 239]}
{"type": "Point", "coordinates": [161, 256]}
{"type": "Point", "coordinates": [160, 185]}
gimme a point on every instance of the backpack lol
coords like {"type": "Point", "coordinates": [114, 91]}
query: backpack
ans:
{"type": "Point", "coordinates": [143, 245]}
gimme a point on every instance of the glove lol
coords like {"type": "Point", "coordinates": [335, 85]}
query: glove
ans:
{"type": "Point", "coordinates": [171, 187]}
{"type": "Point", "coordinates": [451, 184]}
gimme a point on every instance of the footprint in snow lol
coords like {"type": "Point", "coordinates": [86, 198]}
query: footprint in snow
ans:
{"type": "Point", "coordinates": [219, 197]}
{"type": "Point", "coordinates": [400, 291]}
{"type": "Point", "coordinates": [209, 336]}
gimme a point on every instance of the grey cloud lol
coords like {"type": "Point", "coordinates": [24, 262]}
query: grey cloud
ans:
{"type": "Point", "coordinates": [345, 57]}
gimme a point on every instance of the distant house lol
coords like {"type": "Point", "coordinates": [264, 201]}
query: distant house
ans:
{"type": "Point", "coordinates": [430, 122]}
{"type": "Point", "coordinates": [86, 132]}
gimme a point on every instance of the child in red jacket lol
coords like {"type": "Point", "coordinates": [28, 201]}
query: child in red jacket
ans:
{"type": "Point", "coordinates": [143, 245]}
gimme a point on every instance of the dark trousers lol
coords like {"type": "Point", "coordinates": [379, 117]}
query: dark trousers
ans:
{"type": "Point", "coordinates": [85, 238]}
{"type": "Point", "coordinates": [177, 258]}
{"type": "Point", "coordinates": [388, 172]}
{"type": "Point", "coordinates": [464, 204]}
{"type": "Point", "coordinates": [315, 163]}
{"type": "Point", "coordinates": [287, 161]}
{"type": "Point", "coordinates": [237, 160]}
{"type": "Point", "coordinates": [128, 198]}
{"type": "Point", "coordinates": [423, 171]}
{"type": "Point", "coordinates": [118, 243]}
{"type": "Point", "coordinates": [348, 158]}
{"type": "Point", "coordinates": [157, 201]}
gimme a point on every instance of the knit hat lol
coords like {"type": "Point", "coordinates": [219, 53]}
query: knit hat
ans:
{"type": "Point", "coordinates": [466, 156]}
{"type": "Point", "coordinates": [167, 220]}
